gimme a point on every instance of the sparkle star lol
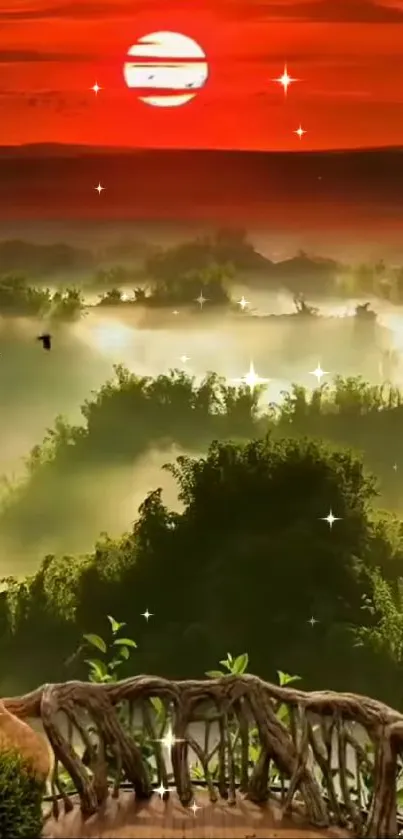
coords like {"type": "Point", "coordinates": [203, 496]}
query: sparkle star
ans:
{"type": "Point", "coordinates": [169, 739]}
{"type": "Point", "coordinates": [285, 80]}
{"type": "Point", "coordinates": [161, 791]}
{"type": "Point", "coordinates": [243, 303]}
{"type": "Point", "coordinates": [319, 373]}
{"type": "Point", "coordinates": [96, 88]}
{"type": "Point", "coordinates": [99, 189]}
{"type": "Point", "coordinates": [394, 467]}
{"type": "Point", "coordinates": [300, 132]}
{"type": "Point", "coordinates": [201, 300]}
{"type": "Point", "coordinates": [312, 621]}
{"type": "Point", "coordinates": [195, 807]}
{"type": "Point", "coordinates": [252, 379]}
{"type": "Point", "coordinates": [330, 518]}
{"type": "Point", "coordinates": [147, 615]}
{"type": "Point", "coordinates": [184, 359]}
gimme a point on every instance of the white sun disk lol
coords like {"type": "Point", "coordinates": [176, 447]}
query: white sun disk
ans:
{"type": "Point", "coordinates": [159, 61]}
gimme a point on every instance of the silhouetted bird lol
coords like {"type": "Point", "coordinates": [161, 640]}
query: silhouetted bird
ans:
{"type": "Point", "coordinates": [46, 341]}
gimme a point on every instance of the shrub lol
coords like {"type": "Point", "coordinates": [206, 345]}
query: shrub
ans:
{"type": "Point", "coordinates": [21, 793]}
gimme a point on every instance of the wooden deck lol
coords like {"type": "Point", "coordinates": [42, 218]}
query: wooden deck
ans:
{"type": "Point", "coordinates": [122, 818]}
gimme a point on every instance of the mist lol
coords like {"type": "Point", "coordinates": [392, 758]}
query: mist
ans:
{"type": "Point", "coordinates": [71, 508]}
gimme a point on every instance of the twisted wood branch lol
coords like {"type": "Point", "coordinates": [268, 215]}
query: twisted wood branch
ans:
{"type": "Point", "coordinates": [240, 700]}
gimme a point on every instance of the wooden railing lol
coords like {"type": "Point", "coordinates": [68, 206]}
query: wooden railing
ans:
{"type": "Point", "coordinates": [314, 745]}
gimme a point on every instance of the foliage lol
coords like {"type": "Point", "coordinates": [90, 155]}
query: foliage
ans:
{"type": "Point", "coordinates": [184, 290]}
{"type": "Point", "coordinates": [237, 667]}
{"type": "Point", "coordinates": [17, 298]}
{"type": "Point", "coordinates": [106, 670]}
{"type": "Point", "coordinates": [385, 606]}
{"type": "Point", "coordinates": [21, 794]}
{"type": "Point", "coordinates": [248, 541]}
{"type": "Point", "coordinates": [102, 671]}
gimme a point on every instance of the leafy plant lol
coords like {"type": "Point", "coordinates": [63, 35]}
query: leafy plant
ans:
{"type": "Point", "coordinates": [104, 670]}
{"type": "Point", "coordinates": [21, 794]}
{"type": "Point", "coordinates": [237, 667]}
{"type": "Point", "coordinates": [118, 651]}
{"type": "Point", "coordinates": [386, 610]}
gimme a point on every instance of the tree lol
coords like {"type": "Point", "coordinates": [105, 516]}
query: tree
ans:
{"type": "Point", "coordinates": [253, 556]}
{"type": "Point", "coordinates": [112, 297]}
{"type": "Point", "coordinates": [67, 305]}
{"type": "Point", "coordinates": [248, 559]}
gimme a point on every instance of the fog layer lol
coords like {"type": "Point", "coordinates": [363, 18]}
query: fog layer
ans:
{"type": "Point", "coordinates": [71, 508]}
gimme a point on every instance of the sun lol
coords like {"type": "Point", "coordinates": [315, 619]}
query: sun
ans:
{"type": "Point", "coordinates": [172, 65]}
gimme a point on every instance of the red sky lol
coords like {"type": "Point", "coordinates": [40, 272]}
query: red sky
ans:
{"type": "Point", "coordinates": [348, 55]}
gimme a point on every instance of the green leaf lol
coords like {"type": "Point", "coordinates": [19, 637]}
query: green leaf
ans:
{"type": "Point", "coordinates": [240, 664]}
{"type": "Point", "coordinates": [124, 652]}
{"type": "Point", "coordinates": [286, 679]}
{"type": "Point", "coordinates": [158, 705]}
{"type": "Point", "coordinates": [115, 625]}
{"type": "Point", "coordinates": [214, 674]}
{"type": "Point", "coordinates": [97, 664]}
{"type": "Point", "coordinates": [124, 642]}
{"type": "Point", "coordinates": [96, 641]}
{"type": "Point", "coordinates": [99, 672]}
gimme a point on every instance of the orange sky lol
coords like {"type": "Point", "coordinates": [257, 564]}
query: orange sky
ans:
{"type": "Point", "coordinates": [348, 55]}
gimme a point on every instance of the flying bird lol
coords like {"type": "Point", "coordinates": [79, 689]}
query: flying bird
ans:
{"type": "Point", "coordinates": [46, 341]}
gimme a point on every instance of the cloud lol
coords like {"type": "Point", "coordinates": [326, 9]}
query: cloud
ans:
{"type": "Point", "coordinates": [341, 11]}
{"type": "Point", "coordinates": [20, 56]}
{"type": "Point", "coordinates": [353, 11]}
{"type": "Point", "coordinates": [75, 10]}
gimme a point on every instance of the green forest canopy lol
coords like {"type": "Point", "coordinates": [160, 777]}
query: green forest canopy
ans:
{"type": "Point", "coordinates": [248, 560]}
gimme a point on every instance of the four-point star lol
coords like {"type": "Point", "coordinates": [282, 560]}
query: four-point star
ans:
{"type": "Point", "coordinates": [147, 615]}
{"type": "Point", "coordinates": [300, 132]}
{"type": "Point", "coordinates": [252, 379]}
{"type": "Point", "coordinates": [318, 373]}
{"type": "Point", "coordinates": [330, 518]}
{"type": "Point", "coordinates": [312, 621]}
{"type": "Point", "coordinates": [161, 790]}
{"type": "Point", "coordinates": [285, 80]}
{"type": "Point", "coordinates": [201, 300]}
{"type": "Point", "coordinates": [96, 88]}
{"type": "Point", "coordinates": [99, 188]}
{"type": "Point", "coordinates": [195, 807]}
{"type": "Point", "coordinates": [169, 739]}
{"type": "Point", "coordinates": [243, 303]}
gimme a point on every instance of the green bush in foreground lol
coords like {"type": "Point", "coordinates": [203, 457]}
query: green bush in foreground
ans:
{"type": "Point", "coordinates": [21, 793]}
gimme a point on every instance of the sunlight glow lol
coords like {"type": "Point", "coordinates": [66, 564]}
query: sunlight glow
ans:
{"type": "Point", "coordinates": [111, 336]}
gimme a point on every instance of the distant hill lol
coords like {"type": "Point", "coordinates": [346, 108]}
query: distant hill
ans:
{"type": "Point", "coordinates": [293, 190]}
{"type": "Point", "coordinates": [31, 260]}
{"type": "Point", "coordinates": [310, 274]}
{"type": "Point", "coordinates": [302, 272]}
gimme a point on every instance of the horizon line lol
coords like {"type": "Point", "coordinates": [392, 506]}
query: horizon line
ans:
{"type": "Point", "coordinates": [146, 149]}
